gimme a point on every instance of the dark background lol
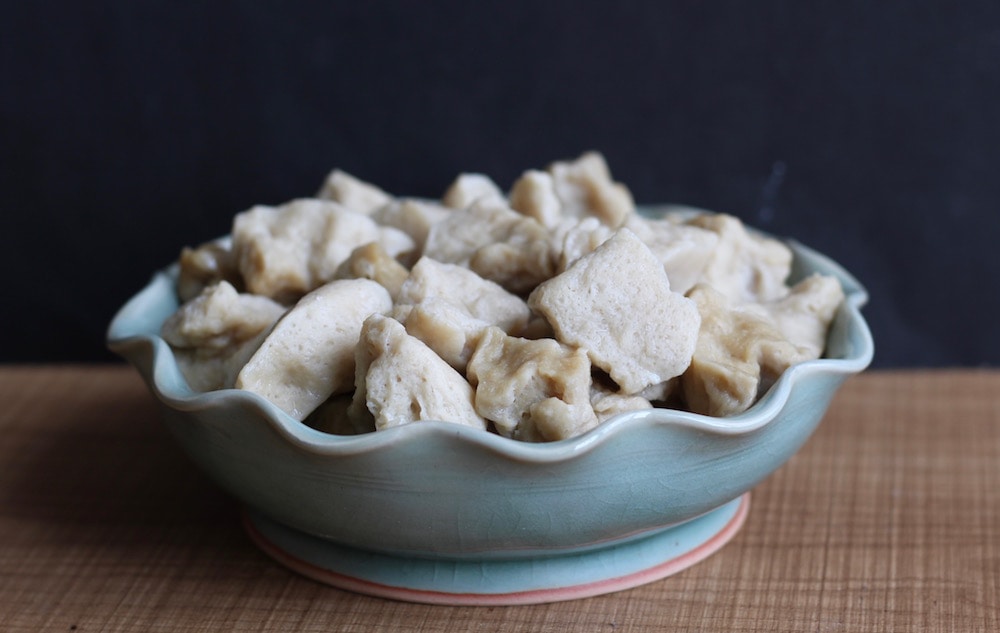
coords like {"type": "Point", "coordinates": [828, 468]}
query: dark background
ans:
{"type": "Point", "coordinates": [868, 130]}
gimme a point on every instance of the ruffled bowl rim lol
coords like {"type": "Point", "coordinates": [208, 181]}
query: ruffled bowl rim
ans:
{"type": "Point", "coordinates": [152, 356]}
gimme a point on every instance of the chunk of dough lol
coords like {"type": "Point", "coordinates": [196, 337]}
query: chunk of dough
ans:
{"type": "Point", "coordinates": [220, 317]}
{"type": "Point", "coordinates": [534, 195]}
{"type": "Point", "coordinates": [355, 194]}
{"type": "Point", "coordinates": [496, 242]}
{"type": "Point", "coordinates": [684, 250]}
{"type": "Point", "coordinates": [207, 370]}
{"type": "Point", "coordinates": [607, 404]}
{"type": "Point", "coordinates": [206, 265]}
{"type": "Point", "coordinates": [372, 262]}
{"type": "Point", "coordinates": [481, 298]}
{"type": "Point", "coordinates": [533, 390]}
{"type": "Point", "coordinates": [309, 354]}
{"type": "Point", "coordinates": [400, 381]}
{"type": "Point", "coordinates": [743, 348]}
{"type": "Point", "coordinates": [447, 328]}
{"type": "Point", "coordinates": [804, 315]}
{"type": "Point", "coordinates": [214, 334]}
{"type": "Point", "coordinates": [573, 238]}
{"type": "Point", "coordinates": [744, 266]}
{"type": "Point", "coordinates": [284, 252]}
{"type": "Point", "coordinates": [616, 303]}
{"type": "Point", "coordinates": [470, 188]}
{"type": "Point", "coordinates": [585, 188]}
{"type": "Point", "coordinates": [413, 217]}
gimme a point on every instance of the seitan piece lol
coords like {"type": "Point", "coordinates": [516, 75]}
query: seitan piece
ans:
{"type": "Point", "coordinates": [355, 194]}
{"type": "Point", "coordinates": [470, 188]}
{"type": "Point", "coordinates": [616, 303]}
{"type": "Point", "coordinates": [309, 354]}
{"type": "Point", "coordinates": [284, 252]}
{"type": "Point", "coordinates": [399, 380]}
{"type": "Point", "coordinates": [532, 390]}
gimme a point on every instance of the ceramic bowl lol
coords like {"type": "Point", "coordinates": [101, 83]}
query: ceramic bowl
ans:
{"type": "Point", "coordinates": [438, 512]}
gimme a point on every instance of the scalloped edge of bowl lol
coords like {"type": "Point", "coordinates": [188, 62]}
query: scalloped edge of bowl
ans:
{"type": "Point", "coordinates": [132, 334]}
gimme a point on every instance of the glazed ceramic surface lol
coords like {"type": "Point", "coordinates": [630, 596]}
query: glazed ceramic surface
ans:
{"type": "Point", "coordinates": [436, 490]}
{"type": "Point", "coordinates": [440, 580]}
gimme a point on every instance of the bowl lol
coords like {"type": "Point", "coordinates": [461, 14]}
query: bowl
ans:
{"type": "Point", "coordinates": [440, 513]}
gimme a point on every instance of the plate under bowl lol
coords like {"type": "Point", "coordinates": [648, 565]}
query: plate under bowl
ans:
{"type": "Point", "coordinates": [501, 582]}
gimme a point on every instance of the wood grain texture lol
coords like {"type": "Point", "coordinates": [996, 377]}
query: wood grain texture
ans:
{"type": "Point", "coordinates": [887, 520]}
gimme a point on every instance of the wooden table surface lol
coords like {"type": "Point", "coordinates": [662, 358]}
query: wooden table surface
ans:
{"type": "Point", "coordinates": [887, 520]}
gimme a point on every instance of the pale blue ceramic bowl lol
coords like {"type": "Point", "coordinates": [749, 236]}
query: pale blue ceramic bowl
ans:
{"type": "Point", "coordinates": [436, 493]}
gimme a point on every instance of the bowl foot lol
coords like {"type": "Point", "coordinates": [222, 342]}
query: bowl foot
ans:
{"type": "Point", "coordinates": [501, 582]}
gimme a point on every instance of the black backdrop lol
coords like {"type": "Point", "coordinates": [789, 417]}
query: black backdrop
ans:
{"type": "Point", "coordinates": [868, 130]}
